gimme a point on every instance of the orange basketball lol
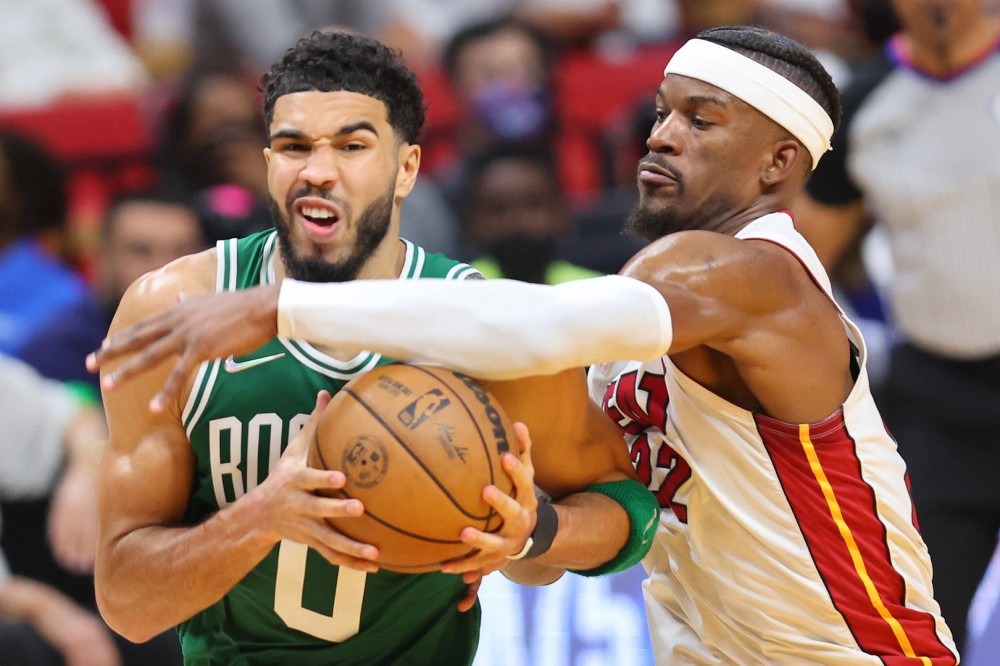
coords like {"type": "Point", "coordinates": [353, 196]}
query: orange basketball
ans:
{"type": "Point", "coordinates": [417, 444]}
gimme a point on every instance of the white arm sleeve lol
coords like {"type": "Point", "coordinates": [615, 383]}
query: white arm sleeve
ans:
{"type": "Point", "coordinates": [493, 329]}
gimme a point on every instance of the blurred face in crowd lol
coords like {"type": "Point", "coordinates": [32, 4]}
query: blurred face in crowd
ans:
{"type": "Point", "coordinates": [501, 79]}
{"type": "Point", "coordinates": [517, 214]}
{"type": "Point", "coordinates": [508, 56]}
{"type": "Point", "coordinates": [225, 134]}
{"type": "Point", "coordinates": [941, 24]}
{"type": "Point", "coordinates": [517, 197]}
{"type": "Point", "coordinates": [336, 175]}
{"type": "Point", "coordinates": [141, 237]}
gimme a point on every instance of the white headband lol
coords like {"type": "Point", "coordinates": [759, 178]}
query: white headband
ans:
{"type": "Point", "coordinates": [764, 89]}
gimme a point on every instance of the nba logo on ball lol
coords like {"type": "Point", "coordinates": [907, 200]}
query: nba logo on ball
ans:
{"type": "Point", "coordinates": [422, 408]}
{"type": "Point", "coordinates": [446, 436]}
{"type": "Point", "coordinates": [365, 462]}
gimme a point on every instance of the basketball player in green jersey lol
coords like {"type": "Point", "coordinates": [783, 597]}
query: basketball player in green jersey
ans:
{"type": "Point", "coordinates": [210, 519]}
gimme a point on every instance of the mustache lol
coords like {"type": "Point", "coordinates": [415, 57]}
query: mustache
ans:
{"type": "Point", "coordinates": [651, 159]}
{"type": "Point", "coordinates": [309, 191]}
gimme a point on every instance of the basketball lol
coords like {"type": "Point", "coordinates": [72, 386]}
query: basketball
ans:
{"type": "Point", "coordinates": [417, 444]}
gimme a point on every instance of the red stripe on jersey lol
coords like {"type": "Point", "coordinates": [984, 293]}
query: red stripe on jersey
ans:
{"type": "Point", "coordinates": [820, 474]}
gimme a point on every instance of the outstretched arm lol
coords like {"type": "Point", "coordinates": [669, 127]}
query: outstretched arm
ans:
{"type": "Point", "coordinates": [493, 329]}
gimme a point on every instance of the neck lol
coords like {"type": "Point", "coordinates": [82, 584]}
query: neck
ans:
{"type": "Point", "coordinates": [732, 223]}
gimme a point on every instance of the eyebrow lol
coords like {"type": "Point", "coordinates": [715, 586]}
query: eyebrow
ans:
{"type": "Point", "coordinates": [346, 130]}
{"type": "Point", "coordinates": [695, 99]}
{"type": "Point", "coordinates": [706, 99]}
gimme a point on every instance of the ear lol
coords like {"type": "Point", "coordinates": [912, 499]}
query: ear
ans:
{"type": "Point", "coordinates": [409, 166]}
{"type": "Point", "coordinates": [786, 157]}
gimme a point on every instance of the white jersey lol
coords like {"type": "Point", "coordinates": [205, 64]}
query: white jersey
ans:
{"type": "Point", "coordinates": [778, 543]}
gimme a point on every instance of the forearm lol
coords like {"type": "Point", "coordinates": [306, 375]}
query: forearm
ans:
{"type": "Point", "coordinates": [493, 329]}
{"type": "Point", "coordinates": [592, 531]}
{"type": "Point", "coordinates": [607, 527]}
{"type": "Point", "coordinates": [155, 577]}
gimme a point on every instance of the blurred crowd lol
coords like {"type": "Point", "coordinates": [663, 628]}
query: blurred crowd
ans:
{"type": "Point", "coordinates": [131, 134]}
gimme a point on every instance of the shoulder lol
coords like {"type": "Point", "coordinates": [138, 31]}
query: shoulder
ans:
{"type": "Point", "coordinates": [719, 266]}
{"type": "Point", "coordinates": [158, 290]}
{"type": "Point", "coordinates": [423, 264]}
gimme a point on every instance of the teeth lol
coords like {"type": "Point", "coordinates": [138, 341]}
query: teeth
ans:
{"type": "Point", "coordinates": [317, 213]}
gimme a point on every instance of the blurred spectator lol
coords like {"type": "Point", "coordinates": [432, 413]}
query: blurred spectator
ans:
{"type": "Point", "coordinates": [517, 214]}
{"type": "Point", "coordinates": [875, 20]}
{"type": "Point", "coordinates": [422, 28]}
{"type": "Point", "coordinates": [916, 154]}
{"type": "Point", "coordinates": [140, 232]}
{"type": "Point", "coordinates": [822, 25]}
{"type": "Point", "coordinates": [257, 32]}
{"type": "Point", "coordinates": [211, 149]}
{"type": "Point", "coordinates": [501, 74]}
{"type": "Point", "coordinates": [44, 427]}
{"type": "Point", "coordinates": [600, 23]}
{"type": "Point", "coordinates": [50, 48]}
{"type": "Point", "coordinates": [35, 282]}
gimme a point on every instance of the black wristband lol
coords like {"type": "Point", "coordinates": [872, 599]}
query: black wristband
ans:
{"type": "Point", "coordinates": [546, 526]}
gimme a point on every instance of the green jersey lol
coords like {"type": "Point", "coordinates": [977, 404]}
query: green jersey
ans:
{"type": "Point", "coordinates": [295, 607]}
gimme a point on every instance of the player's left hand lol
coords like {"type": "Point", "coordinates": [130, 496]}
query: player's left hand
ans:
{"type": "Point", "coordinates": [494, 549]}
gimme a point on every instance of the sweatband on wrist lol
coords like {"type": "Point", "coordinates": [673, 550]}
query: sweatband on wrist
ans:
{"type": "Point", "coordinates": [761, 87]}
{"type": "Point", "coordinates": [644, 516]}
{"type": "Point", "coordinates": [546, 526]}
{"type": "Point", "coordinates": [490, 329]}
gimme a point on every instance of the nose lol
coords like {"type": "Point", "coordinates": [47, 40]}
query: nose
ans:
{"type": "Point", "coordinates": [320, 167]}
{"type": "Point", "coordinates": [664, 136]}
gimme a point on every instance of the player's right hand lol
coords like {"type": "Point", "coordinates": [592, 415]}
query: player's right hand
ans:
{"type": "Point", "coordinates": [196, 329]}
{"type": "Point", "coordinates": [293, 502]}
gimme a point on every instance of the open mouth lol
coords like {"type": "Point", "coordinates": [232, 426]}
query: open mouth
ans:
{"type": "Point", "coordinates": [321, 217]}
{"type": "Point", "coordinates": [318, 219]}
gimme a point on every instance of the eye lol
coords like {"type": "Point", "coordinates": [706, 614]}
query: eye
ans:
{"type": "Point", "coordinates": [291, 147]}
{"type": "Point", "coordinates": [354, 146]}
{"type": "Point", "coordinates": [700, 123]}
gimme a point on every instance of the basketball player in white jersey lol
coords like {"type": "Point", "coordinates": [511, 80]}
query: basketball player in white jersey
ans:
{"type": "Point", "coordinates": [787, 534]}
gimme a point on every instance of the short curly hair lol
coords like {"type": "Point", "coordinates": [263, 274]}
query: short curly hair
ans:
{"type": "Point", "coordinates": [330, 61]}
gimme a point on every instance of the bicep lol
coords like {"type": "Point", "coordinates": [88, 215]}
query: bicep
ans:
{"type": "Point", "coordinates": [147, 468]}
{"type": "Point", "coordinates": [701, 277]}
{"type": "Point", "coordinates": [574, 444]}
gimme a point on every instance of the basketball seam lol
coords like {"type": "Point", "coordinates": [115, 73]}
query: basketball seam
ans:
{"type": "Point", "coordinates": [389, 429]}
{"type": "Point", "coordinates": [482, 439]}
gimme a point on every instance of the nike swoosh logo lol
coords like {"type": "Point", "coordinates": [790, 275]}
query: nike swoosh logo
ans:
{"type": "Point", "coordinates": [232, 365]}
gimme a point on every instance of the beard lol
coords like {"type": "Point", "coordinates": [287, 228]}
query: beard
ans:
{"type": "Point", "coordinates": [651, 223]}
{"type": "Point", "coordinates": [372, 227]}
